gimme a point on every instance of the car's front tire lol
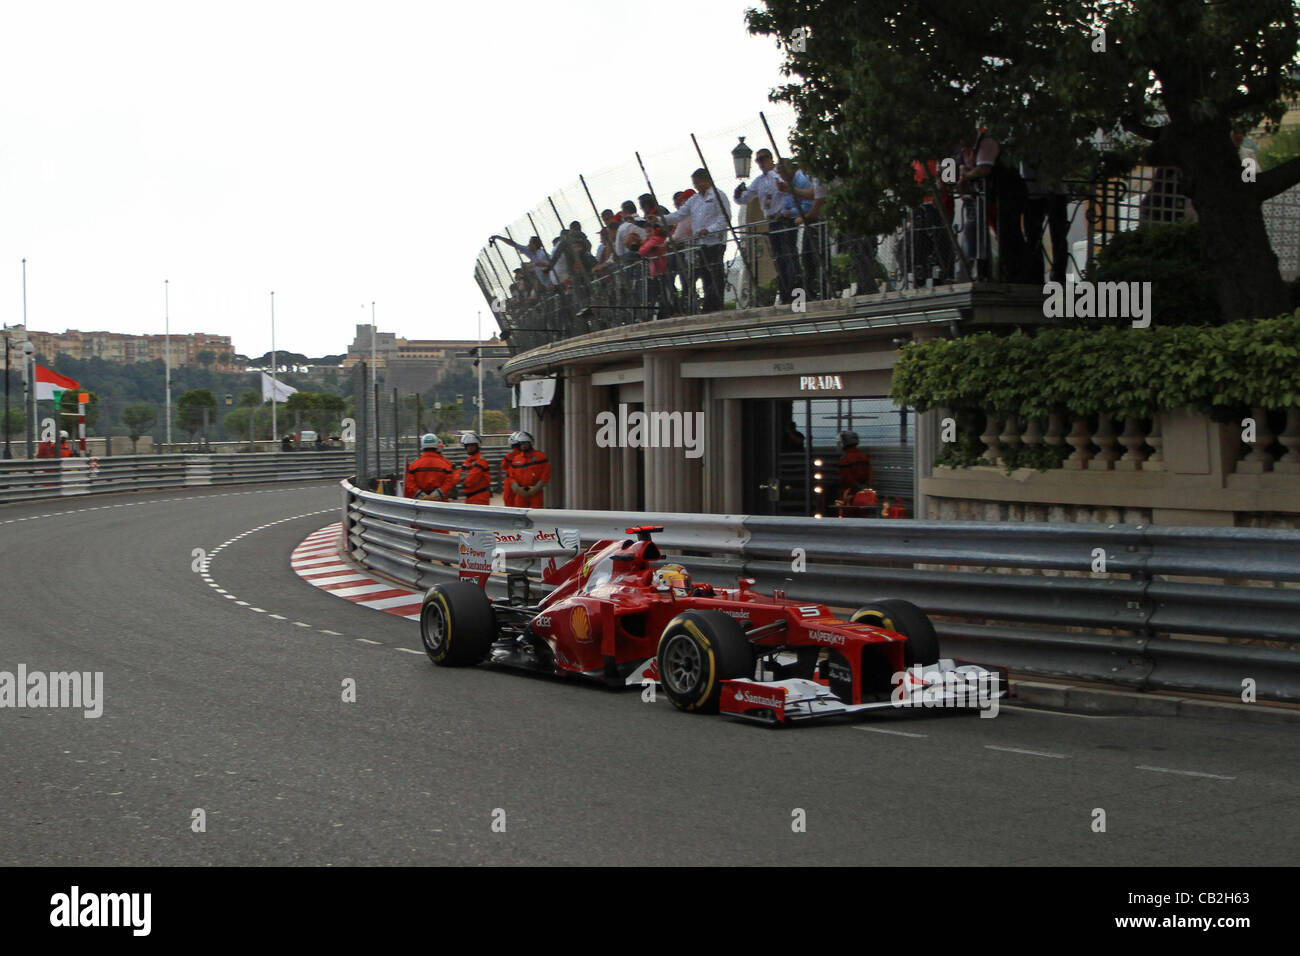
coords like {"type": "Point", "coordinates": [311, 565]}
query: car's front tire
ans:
{"type": "Point", "coordinates": [697, 652]}
{"type": "Point", "coordinates": [457, 624]}
{"type": "Point", "coordinates": [903, 617]}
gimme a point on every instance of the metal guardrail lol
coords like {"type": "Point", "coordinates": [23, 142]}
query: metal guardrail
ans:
{"type": "Point", "coordinates": [28, 480]}
{"type": "Point", "coordinates": [1016, 594]}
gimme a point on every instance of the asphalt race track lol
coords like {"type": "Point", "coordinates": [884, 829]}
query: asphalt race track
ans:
{"type": "Point", "coordinates": [228, 699]}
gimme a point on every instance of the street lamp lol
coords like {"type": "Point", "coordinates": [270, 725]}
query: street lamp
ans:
{"type": "Point", "coordinates": [8, 454]}
{"type": "Point", "coordinates": [29, 394]}
{"type": "Point", "coordinates": [740, 156]}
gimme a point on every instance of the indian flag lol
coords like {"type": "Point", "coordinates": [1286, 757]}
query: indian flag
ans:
{"type": "Point", "coordinates": [51, 385]}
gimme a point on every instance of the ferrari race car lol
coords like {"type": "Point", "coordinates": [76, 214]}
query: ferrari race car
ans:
{"type": "Point", "coordinates": [622, 614]}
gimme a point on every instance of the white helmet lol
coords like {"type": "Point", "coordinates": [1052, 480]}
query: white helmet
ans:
{"type": "Point", "coordinates": [430, 441]}
{"type": "Point", "coordinates": [63, 434]}
{"type": "Point", "coordinates": [848, 439]}
{"type": "Point", "coordinates": [469, 438]}
{"type": "Point", "coordinates": [672, 577]}
{"type": "Point", "coordinates": [519, 438]}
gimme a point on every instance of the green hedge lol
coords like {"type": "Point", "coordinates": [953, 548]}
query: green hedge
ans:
{"type": "Point", "coordinates": [1169, 257]}
{"type": "Point", "coordinates": [1122, 371]}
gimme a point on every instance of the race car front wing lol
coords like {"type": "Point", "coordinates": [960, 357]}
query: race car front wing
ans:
{"type": "Point", "coordinates": [946, 684]}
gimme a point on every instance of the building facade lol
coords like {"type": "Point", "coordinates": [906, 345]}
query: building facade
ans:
{"type": "Point", "coordinates": [126, 348]}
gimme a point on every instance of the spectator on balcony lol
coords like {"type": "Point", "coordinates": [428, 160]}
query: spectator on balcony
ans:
{"type": "Point", "coordinates": [709, 213]}
{"type": "Point", "coordinates": [650, 208]}
{"type": "Point", "coordinates": [628, 229]}
{"type": "Point", "coordinates": [538, 261]}
{"type": "Point", "coordinates": [560, 259]}
{"type": "Point", "coordinates": [682, 231]}
{"type": "Point", "coordinates": [779, 208]}
{"type": "Point", "coordinates": [932, 243]}
{"type": "Point", "coordinates": [655, 251]}
{"type": "Point", "coordinates": [812, 203]}
{"type": "Point", "coordinates": [679, 238]}
{"type": "Point", "coordinates": [1047, 199]}
{"type": "Point", "coordinates": [792, 178]}
{"type": "Point", "coordinates": [982, 163]}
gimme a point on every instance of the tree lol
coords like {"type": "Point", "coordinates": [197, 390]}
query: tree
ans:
{"type": "Point", "coordinates": [886, 82]}
{"type": "Point", "coordinates": [190, 406]}
{"type": "Point", "coordinates": [249, 398]}
{"type": "Point", "coordinates": [138, 419]}
{"type": "Point", "coordinates": [332, 408]}
{"type": "Point", "coordinates": [238, 421]}
{"type": "Point", "coordinates": [205, 357]}
{"type": "Point", "coordinates": [1282, 147]}
{"type": "Point", "coordinates": [17, 423]}
{"type": "Point", "coordinates": [495, 422]}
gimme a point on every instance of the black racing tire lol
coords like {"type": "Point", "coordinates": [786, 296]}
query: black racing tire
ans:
{"type": "Point", "coordinates": [903, 617]}
{"type": "Point", "coordinates": [457, 624]}
{"type": "Point", "coordinates": [698, 650]}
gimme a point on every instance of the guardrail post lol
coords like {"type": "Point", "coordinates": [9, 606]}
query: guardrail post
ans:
{"type": "Point", "coordinates": [198, 470]}
{"type": "Point", "coordinates": [74, 476]}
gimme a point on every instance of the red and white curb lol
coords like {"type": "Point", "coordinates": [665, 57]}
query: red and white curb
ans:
{"type": "Point", "coordinates": [318, 562]}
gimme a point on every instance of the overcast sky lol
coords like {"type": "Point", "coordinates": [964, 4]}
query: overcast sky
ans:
{"type": "Point", "coordinates": [336, 153]}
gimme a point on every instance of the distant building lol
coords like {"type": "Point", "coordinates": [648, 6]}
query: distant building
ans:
{"type": "Point", "coordinates": [125, 348]}
{"type": "Point", "coordinates": [411, 364]}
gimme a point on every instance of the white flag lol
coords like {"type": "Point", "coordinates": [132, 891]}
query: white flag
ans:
{"type": "Point", "coordinates": [278, 390]}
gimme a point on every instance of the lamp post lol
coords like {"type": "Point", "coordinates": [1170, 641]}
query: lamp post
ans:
{"type": "Point", "coordinates": [740, 156]}
{"type": "Point", "coordinates": [274, 416]}
{"type": "Point", "coordinates": [478, 362]}
{"type": "Point", "coordinates": [167, 360]}
{"type": "Point", "coordinates": [8, 453]}
{"type": "Point", "coordinates": [29, 372]}
{"type": "Point", "coordinates": [29, 394]}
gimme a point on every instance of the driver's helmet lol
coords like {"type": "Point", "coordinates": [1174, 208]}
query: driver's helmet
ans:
{"type": "Point", "coordinates": [672, 576]}
{"type": "Point", "coordinates": [430, 441]}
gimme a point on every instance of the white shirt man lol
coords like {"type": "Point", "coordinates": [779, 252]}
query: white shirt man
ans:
{"type": "Point", "coordinates": [537, 257]}
{"type": "Point", "coordinates": [709, 213]}
{"type": "Point", "coordinates": [625, 229]}
{"type": "Point", "coordinates": [771, 200]}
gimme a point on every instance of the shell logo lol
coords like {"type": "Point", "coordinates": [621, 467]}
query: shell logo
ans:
{"type": "Point", "coordinates": [581, 625]}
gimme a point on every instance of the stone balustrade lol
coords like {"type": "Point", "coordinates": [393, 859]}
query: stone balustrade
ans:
{"type": "Point", "coordinates": [1177, 467]}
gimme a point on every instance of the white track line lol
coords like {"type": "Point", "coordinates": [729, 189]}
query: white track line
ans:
{"type": "Point", "coordinates": [1186, 773]}
{"type": "Point", "coordinates": [1030, 753]}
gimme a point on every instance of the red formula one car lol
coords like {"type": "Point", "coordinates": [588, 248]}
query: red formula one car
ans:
{"type": "Point", "coordinates": [622, 614]}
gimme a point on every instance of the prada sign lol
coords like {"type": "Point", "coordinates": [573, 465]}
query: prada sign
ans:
{"type": "Point", "coordinates": [821, 383]}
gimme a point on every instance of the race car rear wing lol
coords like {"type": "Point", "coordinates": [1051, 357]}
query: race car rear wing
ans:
{"type": "Point", "coordinates": [482, 552]}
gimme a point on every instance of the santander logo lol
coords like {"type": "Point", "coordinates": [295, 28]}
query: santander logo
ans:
{"type": "Point", "coordinates": [748, 697]}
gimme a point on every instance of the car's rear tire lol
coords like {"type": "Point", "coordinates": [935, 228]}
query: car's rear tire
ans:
{"type": "Point", "coordinates": [457, 624]}
{"type": "Point", "coordinates": [903, 617]}
{"type": "Point", "coordinates": [697, 652]}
